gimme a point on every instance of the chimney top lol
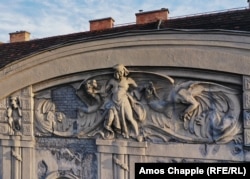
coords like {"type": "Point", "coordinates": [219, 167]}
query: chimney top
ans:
{"type": "Point", "coordinates": [19, 36]}
{"type": "Point", "coordinates": [100, 24]}
{"type": "Point", "coordinates": [151, 16]}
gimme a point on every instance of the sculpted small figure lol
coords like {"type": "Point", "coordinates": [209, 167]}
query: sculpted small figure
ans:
{"type": "Point", "coordinates": [14, 115]}
{"type": "Point", "coordinates": [92, 96]}
{"type": "Point", "coordinates": [91, 88]}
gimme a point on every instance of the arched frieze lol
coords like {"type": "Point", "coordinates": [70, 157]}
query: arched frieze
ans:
{"type": "Point", "coordinates": [118, 103]}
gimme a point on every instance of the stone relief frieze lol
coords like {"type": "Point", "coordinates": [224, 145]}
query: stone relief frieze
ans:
{"type": "Point", "coordinates": [141, 106]}
{"type": "Point", "coordinates": [49, 121]}
{"type": "Point", "coordinates": [16, 114]}
{"type": "Point", "coordinates": [42, 169]}
{"type": "Point", "coordinates": [72, 158]}
{"type": "Point", "coordinates": [121, 164]}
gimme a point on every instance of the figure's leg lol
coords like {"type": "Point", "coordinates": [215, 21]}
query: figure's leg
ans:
{"type": "Point", "coordinates": [124, 126]}
{"type": "Point", "coordinates": [129, 116]}
{"type": "Point", "coordinates": [19, 124]}
{"type": "Point", "coordinates": [110, 119]}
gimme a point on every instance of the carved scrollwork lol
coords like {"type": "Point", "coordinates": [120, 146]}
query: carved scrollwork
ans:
{"type": "Point", "coordinates": [49, 121]}
{"type": "Point", "coordinates": [208, 111]}
{"type": "Point", "coordinates": [148, 106]}
{"type": "Point", "coordinates": [42, 169]}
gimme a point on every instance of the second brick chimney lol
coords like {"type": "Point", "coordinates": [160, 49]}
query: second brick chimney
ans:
{"type": "Point", "coordinates": [19, 36]}
{"type": "Point", "coordinates": [151, 16]}
{"type": "Point", "coordinates": [100, 24]}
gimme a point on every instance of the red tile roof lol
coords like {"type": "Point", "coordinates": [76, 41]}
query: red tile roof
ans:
{"type": "Point", "coordinates": [230, 20]}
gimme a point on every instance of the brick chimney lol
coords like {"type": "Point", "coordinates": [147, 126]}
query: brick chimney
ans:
{"type": "Point", "coordinates": [151, 16]}
{"type": "Point", "coordinates": [19, 36]}
{"type": "Point", "coordinates": [100, 24]}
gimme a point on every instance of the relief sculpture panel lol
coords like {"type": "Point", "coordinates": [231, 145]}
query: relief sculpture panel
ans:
{"type": "Point", "coordinates": [141, 106]}
{"type": "Point", "coordinates": [16, 115]}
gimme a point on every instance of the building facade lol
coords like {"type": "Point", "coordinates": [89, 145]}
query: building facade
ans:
{"type": "Point", "coordinates": [92, 104]}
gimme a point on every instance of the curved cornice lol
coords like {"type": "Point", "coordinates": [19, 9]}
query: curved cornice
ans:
{"type": "Point", "coordinates": [216, 50]}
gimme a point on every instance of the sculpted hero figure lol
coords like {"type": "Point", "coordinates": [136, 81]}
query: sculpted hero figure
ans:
{"type": "Point", "coordinates": [122, 104]}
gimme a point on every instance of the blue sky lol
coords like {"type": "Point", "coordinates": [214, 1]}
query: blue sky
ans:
{"type": "Point", "coordinates": [45, 18]}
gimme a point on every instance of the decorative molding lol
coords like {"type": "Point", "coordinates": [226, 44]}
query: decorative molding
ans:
{"type": "Point", "coordinates": [16, 155]}
{"type": "Point", "coordinates": [247, 137]}
{"type": "Point", "coordinates": [246, 118]}
{"type": "Point", "coordinates": [4, 128]}
{"type": "Point", "coordinates": [246, 83]}
{"type": "Point", "coordinates": [121, 164]}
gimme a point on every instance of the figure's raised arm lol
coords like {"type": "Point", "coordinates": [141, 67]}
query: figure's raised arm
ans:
{"type": "Point", "coordinates": [132, 83]}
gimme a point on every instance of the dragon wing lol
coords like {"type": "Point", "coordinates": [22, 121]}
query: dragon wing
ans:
{"type": "Point", "coordinates": [211, 95]}
{"type": "Point", "coordinates": [212, 109]}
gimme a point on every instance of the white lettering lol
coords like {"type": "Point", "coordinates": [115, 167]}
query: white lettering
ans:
{"type": "Point", "coordinates": [151, 171]}
{"type": "Point", "coordinates": [186, 172]}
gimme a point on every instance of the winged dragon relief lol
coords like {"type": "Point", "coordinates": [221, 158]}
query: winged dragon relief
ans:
{"type": "Point", "coordinates": [144, 106]}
